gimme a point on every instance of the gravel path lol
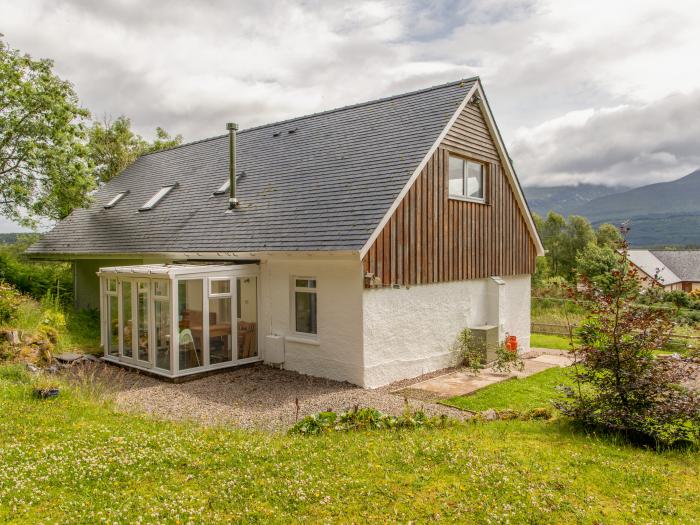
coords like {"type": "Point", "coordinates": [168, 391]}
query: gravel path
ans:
{"type": "Point", "coordinates": [257, 397]}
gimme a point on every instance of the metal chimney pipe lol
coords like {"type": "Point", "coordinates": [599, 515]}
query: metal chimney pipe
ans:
{"type": "Point", "coordinates": [232, 127]}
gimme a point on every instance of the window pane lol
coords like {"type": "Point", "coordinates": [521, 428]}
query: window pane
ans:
{"type": "Point", "coordinates": [456, 176]}
{"type": "Point", "coordinates": [220, 333]}
{"type": "Point", "coordinates": [142, 316]}
{"type": "Point", "coordinates": [475, 180]}
{"type": "Point", "coordinates": [248, 317]}
{"type": "Point", "coordinates": [162, 332]}
{"type": "Point", "coordinates": [113, 323]}
{"type": "Point", "coordinates": [305, 311]}
{"type": "Point", "coordinates": [190, 323]}
{"type": "Point", "coordinates": [160, 288]}
{"type": "Point", "coordinates": [220, 286]}
{"type": "Point", "coordinates": [128, 324]}
{"type": "Point", "coordinates": [112, 285]}
{"type": "Point", "coordinates": [305, 283]}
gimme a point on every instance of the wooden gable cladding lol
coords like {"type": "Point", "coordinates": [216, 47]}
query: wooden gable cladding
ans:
{"type": "Point", "coordinates": [432, 238]}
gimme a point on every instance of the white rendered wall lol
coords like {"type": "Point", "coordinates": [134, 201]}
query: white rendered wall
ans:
{"type": "Point", "coordinates": [411, 331]}
{"type": "Point", "coordinates": [336, 353]}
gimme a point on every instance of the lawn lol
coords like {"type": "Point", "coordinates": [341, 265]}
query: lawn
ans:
{"type": "Point", "coordinates": [525, 394]}
{"type": "Point", "coordinates": [74, 459]}
{"type": "Point", "coordinates": [557, 342]}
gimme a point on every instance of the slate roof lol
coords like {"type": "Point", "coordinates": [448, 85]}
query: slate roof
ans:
{"type": "Point", "coordinates": [319, 182]}
{"type": "Point", "coordinates": [674, 266]}
{"type": "Point", "coordinates": [684, 263]}
{"type": "Point", "coordinates": [652, 266]}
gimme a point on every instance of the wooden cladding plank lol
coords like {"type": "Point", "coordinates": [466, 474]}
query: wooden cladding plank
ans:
{"type": "Point", "coordinates": [432, 238]}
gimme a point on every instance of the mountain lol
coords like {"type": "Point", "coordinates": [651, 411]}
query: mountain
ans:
{"type": "Point", "coordinates": [563, 199]}
{"type": "Point", "coordinates": [678, 197]}
{"type": "Point", "coordinates": [662, 214]}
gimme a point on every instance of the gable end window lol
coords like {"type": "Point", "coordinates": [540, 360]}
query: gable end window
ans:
{"type": "Point", "coordinates": [151, 203]}
{"type": "Point", "coordinates": [467, 179]}
{"type": "Point", "coordinates": [305, 306]}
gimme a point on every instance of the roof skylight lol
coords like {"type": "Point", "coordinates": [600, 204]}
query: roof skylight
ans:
{"type": "Point", "coordinates": [115, 200]}
{"type": "Point", "coordinates": [225, 186]}
{"type": "Point", "coordinates": [157, 197]}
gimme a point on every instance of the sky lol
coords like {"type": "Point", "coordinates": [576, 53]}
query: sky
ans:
{"type": "Point", "coordinates": [601, 91]}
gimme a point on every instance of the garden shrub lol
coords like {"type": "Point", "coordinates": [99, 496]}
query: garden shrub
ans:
{"type": "Point", "coordinates": [10, 301]}
{"type": "Point", "coordinates": [619, 384]}
{"type": "Point", "coordinates": [365, 418]}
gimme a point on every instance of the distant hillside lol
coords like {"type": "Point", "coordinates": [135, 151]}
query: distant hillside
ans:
{"type": "Point", "coordinates": [563, 199]}
{"type": "Point", "coordinates": [678, 197]}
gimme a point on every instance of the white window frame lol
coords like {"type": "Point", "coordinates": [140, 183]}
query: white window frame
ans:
{"type": "Point", "coordinates": [160, 194]}
{"type": "Point", "coordinates": [303, 289]}
{"type": "Point", "coordinates": [465, 172]}
{"type": "Point", "coordinates": [115, 200]}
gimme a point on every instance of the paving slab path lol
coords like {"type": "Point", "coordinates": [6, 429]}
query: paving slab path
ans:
{"type": "Point", "coordinates": [465, 382]}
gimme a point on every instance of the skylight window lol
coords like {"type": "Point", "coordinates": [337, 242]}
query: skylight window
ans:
{"type": "Point", "coordinates": [157, 197]}
{"type": "Point", "coordinates": [115, 200]}
{"type": "Point", "coordinates": [225, 186]}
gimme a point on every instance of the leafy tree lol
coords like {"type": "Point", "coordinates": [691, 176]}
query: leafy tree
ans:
{"type": "Point", "coordinates": [113, 146]}
{"type": "Point", "coordinates": [552, 234]}
{"type": "Point", "coordinates": [43, 172]}
{"type": "Point", "coordinates": [596, 264]}
{"type": "Point", "coordinates": [619, 384]}
{"type": "Point", "coordinates": [608, 235]}
{"type": "Point", "coordinates": [576, 236]}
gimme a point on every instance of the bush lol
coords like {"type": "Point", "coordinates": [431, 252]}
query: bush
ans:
{"type": "Point", "coordinates": [619, 383]}
{"type": "Point", "coordinates": [10, 301]}
{"type": "Point", "coordinates": [678, 298]}
{"type": "Point", "coordinates": [36, 279]}
{"type": "Point", "coordinates": [365, 418]}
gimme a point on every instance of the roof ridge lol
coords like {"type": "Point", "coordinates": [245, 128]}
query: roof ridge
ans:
{"type": "Point", "coordinates": [325, 112]}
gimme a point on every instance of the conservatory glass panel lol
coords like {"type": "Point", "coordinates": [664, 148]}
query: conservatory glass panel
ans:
{"type": "Point", "coordinates": [190, 323]}
{"type": "Point", "coordinates": [142, 316]}
{"type": "Point", "coordinates": [128, 325]}
{"type": "Point", "coordinates": [220, 333]}
{"type": "Point", "coordinates": [113, 322]}
{"type": "Point", "coordinates": [248, 317]}
{"type": "Point", "coordinates": [161, 309]}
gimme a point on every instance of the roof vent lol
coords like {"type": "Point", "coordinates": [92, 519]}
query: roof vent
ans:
{"type": "Point", "coordinates": [294, 130]}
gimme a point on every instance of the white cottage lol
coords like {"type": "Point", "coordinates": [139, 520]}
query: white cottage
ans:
{"type": "Point", "coordinates": [353, 244]}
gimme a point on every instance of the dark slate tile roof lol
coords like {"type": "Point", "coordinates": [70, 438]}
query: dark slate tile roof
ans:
{"type": "Point", "coordinates": [326, 186]}
{"type": "Point", "coordinates": [684, 263]}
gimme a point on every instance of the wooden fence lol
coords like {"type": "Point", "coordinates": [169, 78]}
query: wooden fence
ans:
{"type": "Point", "coordinates": [562, 329]}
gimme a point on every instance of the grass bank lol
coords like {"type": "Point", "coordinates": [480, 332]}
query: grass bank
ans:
{"type": "Point", "coordinates": [525, 394]}
{"type": "Point", "coordinates": [74, 459]}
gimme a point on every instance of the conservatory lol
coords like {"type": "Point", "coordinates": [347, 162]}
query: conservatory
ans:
{"type": "Point", "coordinates": [179, 319]}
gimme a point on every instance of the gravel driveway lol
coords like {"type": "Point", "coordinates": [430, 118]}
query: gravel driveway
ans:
{"type": "Point", "coordinates": [257, 397]}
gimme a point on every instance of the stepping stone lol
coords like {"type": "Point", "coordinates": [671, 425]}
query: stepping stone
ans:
{"type": "Point", "coordinates": [69, 357]}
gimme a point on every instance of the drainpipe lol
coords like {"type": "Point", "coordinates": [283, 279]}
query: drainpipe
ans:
{"type": "Point", "coordinates": [232, 200]}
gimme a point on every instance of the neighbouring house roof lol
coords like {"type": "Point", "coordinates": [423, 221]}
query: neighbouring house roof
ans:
{"type": "Point", "coordinates": [652, 266]}
{"type": "Point", "coordinates": [684, 263]}
{"type": "Point", "coordinates": [673, 266]}
{"type": "Point", "coordinates": [322, 182]}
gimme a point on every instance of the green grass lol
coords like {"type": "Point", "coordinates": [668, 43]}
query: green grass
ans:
{"type": "Point", "coordinates": [75, 460]}
{"type": "Point", "coordinates": [557, 342]}
{"type": "Point", "coordinates": [525, 394]}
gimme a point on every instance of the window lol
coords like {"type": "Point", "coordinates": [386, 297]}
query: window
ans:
{"type": "Point", "coordinates": [466, 179]}
{"type": "Point", "coordinates": [225, 186]}
{"type": "Point", "coordinates": [305, 306]}
{"type": "Point", "coordinates": [157, 197]}
{"type": "Point", "coordinates": [115, 200]}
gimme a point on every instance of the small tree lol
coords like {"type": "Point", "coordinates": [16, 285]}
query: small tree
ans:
{"type": "Point", "coordinates": [619, 384]}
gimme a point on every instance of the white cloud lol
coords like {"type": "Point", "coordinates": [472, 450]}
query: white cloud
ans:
{"type": "Point", "coordinates": [192, 66]}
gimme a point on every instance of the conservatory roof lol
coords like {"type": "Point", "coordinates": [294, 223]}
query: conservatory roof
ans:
{"type": "Point", "coordinates": [167, 270]}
